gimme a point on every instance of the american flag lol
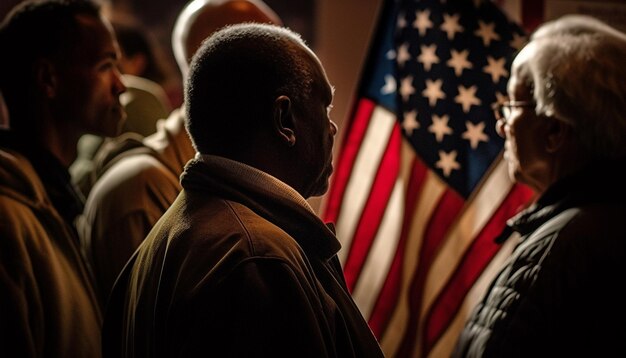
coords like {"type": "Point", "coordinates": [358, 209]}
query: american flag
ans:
{"type": "Point", "coordinates": [420, 190]}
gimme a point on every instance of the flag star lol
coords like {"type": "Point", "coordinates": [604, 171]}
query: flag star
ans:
{"type": "Point", "coordinates": [458, 60]}
{"type": "Point", "coordinates": [422, 21]}
{"type": "Point", "coordinates": [440, 127]}
{"type": "Point", "coordinates": [467, 97]}
{"type": "Point", "coordinates": [496, 68]}
{"type": "Point", "coordinates": [447, 162]}
{"type": "Point", "coordinates": [518, 41]}
{"type": "Point", "coordinates": [401, 21]}
{"type": "Point", "coordinates": [403, 54]}
{"type": "Point", "coordinates": [390, 85]}
{"type": "Point", "coordinates": [475, 133]}
{"type": "Point", "coordinates": [451, 25]}
{"type": "Point", "coordinates": [410, 122]}
{"type": "Point", "coordinates": [487, 32]}
{"type": "Point", "coordinates": [501, 97]}
{"type": "Point", "coordinates": [433, 91]}
{"type": "Point", "coordinates": [391, 54]}
{"type": "Point", "coordinates": [406, 88]}
{"type": "Point", "coordinates": [428, 56]}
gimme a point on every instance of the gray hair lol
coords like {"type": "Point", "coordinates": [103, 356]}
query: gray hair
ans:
{"type": "Point", "coordinates": [577, 71]}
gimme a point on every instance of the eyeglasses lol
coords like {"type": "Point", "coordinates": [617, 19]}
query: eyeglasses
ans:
{"type": "Point", "coordinates": [503, 110]}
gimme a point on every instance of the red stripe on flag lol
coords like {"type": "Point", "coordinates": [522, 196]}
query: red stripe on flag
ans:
{"type": "Point", "coordinates": [389, 293]}
{"type": "Point", "coordinates": [374, 209]}
{"type": "Point", "coordinates": [350, 148]}
{"type": "Point", "coordinates": [445, 214]}
{"type": "Point", "coordinates": [475, 260]}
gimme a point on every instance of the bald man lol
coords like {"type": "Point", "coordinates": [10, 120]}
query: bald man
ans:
{"type": "Point", "coordinates": [136, 179]}
{"type": "Point", "coordinates": [240, 265]}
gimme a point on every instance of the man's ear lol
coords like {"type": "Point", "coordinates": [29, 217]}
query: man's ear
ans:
{"type": "Point", "coordinates": [558, 132]}
{"type": "Point", "coordinates": [47, 79]}
{"type": "Point", "coordinates": [284, 123]}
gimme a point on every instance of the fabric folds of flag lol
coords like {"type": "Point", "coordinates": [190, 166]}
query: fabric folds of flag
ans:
{"type": "Point", "coordinates": [420, 189]}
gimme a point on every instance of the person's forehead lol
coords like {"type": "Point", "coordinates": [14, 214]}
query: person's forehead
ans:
{"type": "Point", "coordinates": [320, 74]}
{"type": "Point", "coordinates": [95, 40]}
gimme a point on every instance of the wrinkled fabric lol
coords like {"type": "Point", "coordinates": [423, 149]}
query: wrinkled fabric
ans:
{"type": "Point", "coordinates": [558, 295]}
{"type": "Point", "coordinates": [137, 180]}
{"type": "Point", "coordinates": [48, 307]}
{"type": "Point", "coordinates": [239, 266]}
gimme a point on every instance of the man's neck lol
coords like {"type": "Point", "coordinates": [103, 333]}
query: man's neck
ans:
{"type": "Point", "coordinates": [60, 142]}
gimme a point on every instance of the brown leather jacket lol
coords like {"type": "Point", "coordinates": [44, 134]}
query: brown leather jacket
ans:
{"type": "Point", "coordinates": [239, 266]}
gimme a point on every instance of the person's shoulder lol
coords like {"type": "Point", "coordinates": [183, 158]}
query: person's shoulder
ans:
{"type": "Point", "coordinates": [130, 175]}
{"type": "Point", "coordinates": [144, 92]}
{"type": "Point", "coordinates": [596, 234]}
{"type": "Point", "coordinates": [19, 180]}
{"type": "Point", "coordinates": [263, 236]}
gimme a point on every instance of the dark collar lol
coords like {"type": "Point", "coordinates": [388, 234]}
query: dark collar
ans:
{"type": "Point", "coordinates": [56, 179]}
{"type": "Point", "coordinates": [600, 182]}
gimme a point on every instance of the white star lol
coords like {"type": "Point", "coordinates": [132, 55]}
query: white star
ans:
{"type": "Point", "coordinates": [433, 91]}
{"type": "Point", "coordinates": [447, 162]}
{"type": "Point", "coordinates": [410, 122]}
{"type": "Point", "coordinates": [496, 68]}
{"type": "Point", "coordinates": [401, 21]}
{"type": "Point", "coordinates": [403, 54]}
{"type": "Point", "coordinates": [422, 21]}
{"type": "Point", "coordinates": [458, 60]}
{"type": "Point", "coordinates": [467, 97]}
{"type": "Point", "coordinates": [390, 85]}
{"type": "Point", "coordinates": [451, 25]}
{"type": "Point", "coordinates": [428, 56]}
{"type": "Point", "coordinates": [475, 133]}
{"type": "Point", "coordinates": [487, 32]}
{"type": "Point", "coordinates": [391, 54]}
{"type": "Point", "coordinates": [406, 88]}
{"type": "Point", "coordinates": [440, 127]}
{"type": "Point", "coordinates": [518, 41]}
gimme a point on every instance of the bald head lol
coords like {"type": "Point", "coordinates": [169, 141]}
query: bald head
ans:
{"type": "Point", "coordinates": [200, 18]}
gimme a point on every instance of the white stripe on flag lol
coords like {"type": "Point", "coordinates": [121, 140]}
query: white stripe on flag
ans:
{"type": "Point", "coordinates": [362, 176]}
{"type": "Point", "coordinates": [372, 276]}
{"type": "Point", "coordinates": [431, 192]}
{"type": "Point", "coordinates": [445, 345]}
{"type": "Point", "coordinates": [472, 221]}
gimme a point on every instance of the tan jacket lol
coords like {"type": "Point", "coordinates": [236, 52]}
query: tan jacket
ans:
{"type": "Point", "coordinates": [137, 180]}
{"type": "Point", "coordinates": [48, 307]}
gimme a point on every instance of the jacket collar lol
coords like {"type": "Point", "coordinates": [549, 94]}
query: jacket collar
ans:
{"type": "Point", "coordinates": [601, 182]}
{"type": "Point", "coordinates": [266, 195]}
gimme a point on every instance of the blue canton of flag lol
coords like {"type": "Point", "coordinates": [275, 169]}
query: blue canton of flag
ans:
{"type": "Point", "coordinates": [446, 66]}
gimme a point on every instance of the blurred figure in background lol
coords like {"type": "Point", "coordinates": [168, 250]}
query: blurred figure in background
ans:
{"type": "Point", "coordinates": [138, 179]}
{"type": "Point", "coordinates": [564, 126]}
{"type": "Point", "coordinates": [145, 100]}
{"type": "Point", "coordinates": [59, 79]}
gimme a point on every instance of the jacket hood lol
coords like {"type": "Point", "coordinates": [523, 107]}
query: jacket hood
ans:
{"type": "Point", "coordinates": [19, 181]}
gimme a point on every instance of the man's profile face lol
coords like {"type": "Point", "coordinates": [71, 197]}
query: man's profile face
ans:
{"type": "Point", "coordinates": [90, 84]}
{"type": "Point", "coordinates": [316, 137]}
